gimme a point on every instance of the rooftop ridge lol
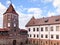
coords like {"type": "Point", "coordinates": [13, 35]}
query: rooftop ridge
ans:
{"type": "Point", "coordinates": [11, 9]}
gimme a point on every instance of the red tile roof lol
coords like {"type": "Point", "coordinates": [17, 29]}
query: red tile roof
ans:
{"type": "Point", "coordinates": [11, 10]}
{"type": "Point", "coordinates": [4, 29]}
{"type": "Point", "coordinates": [23, 30]}
{"type": "Point", "coordinates": [44, 21]}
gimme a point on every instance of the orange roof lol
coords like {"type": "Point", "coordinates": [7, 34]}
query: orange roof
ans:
{"type": "Point", "coordinates": [4, 29]}
{"type": "Point", "coordinates": [11, 10]}
{"type": "Point", "coordinates": [44, 21]}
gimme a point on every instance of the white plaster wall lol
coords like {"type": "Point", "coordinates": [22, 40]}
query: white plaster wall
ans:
{"type": "Point", "coordinates": [44, 32]}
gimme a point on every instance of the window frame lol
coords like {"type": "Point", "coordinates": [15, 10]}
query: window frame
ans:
{"type": "Point", "coordinates": [41, 28]}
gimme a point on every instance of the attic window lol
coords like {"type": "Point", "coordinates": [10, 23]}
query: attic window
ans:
{"type": "Point", "coordinates": [57, 20]}
{"type": "Point", "coordinates": [46, 20]}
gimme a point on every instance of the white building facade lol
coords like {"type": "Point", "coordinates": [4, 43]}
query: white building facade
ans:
{"type": "Point", "coordinates": [44, 33]}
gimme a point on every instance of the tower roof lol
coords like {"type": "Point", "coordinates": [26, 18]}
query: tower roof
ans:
{"type": "Point", "coordinates": [10, 10]}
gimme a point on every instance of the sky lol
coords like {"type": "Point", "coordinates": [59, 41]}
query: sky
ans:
{"type": "Point", "coordinates": [29, 8]}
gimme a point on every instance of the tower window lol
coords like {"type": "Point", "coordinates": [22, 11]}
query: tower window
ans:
{"type": "Point", "coordinates": [14, 25]}
{"type": "Point", "coordinates": [8, 24]}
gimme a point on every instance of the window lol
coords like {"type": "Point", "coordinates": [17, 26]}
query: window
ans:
{"type": "Point", "coordinates": [30, 35]}
{"type": "Point", "coordinates": [42, 29]}
{"type": "Point", "coordinates": [37, 29]}
{"type": "Point", "coordinates": [46, 28]}
{"type": "Point", "coordinates": [46, 36]}
{"type": "Point", "coordinates": [51, 36]}
{"type": "Point", "coordinates": [29, 29]}
{"type": "Point", "coordinates": [14, 25]}
{"type": "Point", "coordinates": [33, 29]}
{"type": "Point", "coordinates": [57, 36]}
{"type": "Point", "coordinates": [9, 16]}
{"type": "Point", "coordinates": [37, 35]}
{"type": "Point", "coordinates": [57, 20]}
{"type": "Point", "coordinates": [41, 35]}
{"type": "Point", "coordinates": [51, 28]}
{"type": "Point", "coordinates": [46, 20]}
{"type": "Point", "coordinates": [34, 35]}
{"type": "Point", "coordinates": [57, 28]}
{"type": "Point", "coordinates": [8, 24]}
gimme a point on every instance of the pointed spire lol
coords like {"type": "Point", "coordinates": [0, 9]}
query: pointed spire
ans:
{"type": "Point", "coordinates": [11, 10]}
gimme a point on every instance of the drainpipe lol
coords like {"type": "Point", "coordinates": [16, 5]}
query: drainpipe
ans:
{"type": "Point", "coordinates": [39, 36]}
{"type": "Point", "coordinates": [49, 34]}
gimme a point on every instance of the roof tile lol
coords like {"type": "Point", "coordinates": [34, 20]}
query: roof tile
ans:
{"type": "Point", "coordinates": [41, 21]}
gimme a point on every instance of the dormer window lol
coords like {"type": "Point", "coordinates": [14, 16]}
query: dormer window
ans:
{"type": "Point", "coordinates": [46, 20]}
{"type": "Point", "coordinates": [57, 20]}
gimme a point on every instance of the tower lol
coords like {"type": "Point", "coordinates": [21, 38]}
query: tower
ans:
{"type": "Point", "coordinates": [10, 19]}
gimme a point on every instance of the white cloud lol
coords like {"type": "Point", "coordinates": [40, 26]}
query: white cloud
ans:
{"type": "Point", "coordinates": [2, 10]}
{"type": "Point", "coordinates": [58, 10]}
{"type": "Point", "coordinates": [24, 18]}
{"type": "Point", "coordinates": [36, 12]}
{"type": "Point", "coordinates": [46, 1]}
{"type": "Point", "coordinates": [56, 4]}
{"type": "Point", "coordinates": [8, 2]}
{"type": "Point", "coordinates": [50, 14]}
{"type": "Point", "coordinates": [32, 0]}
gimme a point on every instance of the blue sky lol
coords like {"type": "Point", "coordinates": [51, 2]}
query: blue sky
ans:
{"type": "Point", "coordinates": [28, 8]}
